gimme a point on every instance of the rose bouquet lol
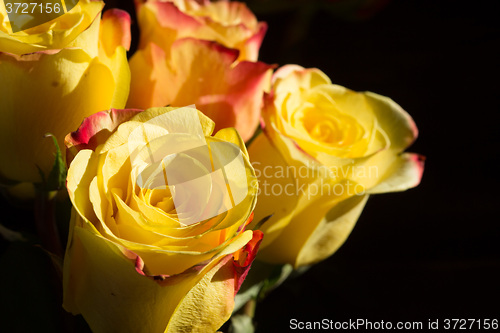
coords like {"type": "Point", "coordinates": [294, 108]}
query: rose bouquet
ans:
{"type": "Point", "coordinates": [218, 159]}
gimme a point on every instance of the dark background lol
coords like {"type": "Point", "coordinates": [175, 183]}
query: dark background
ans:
{"type": "Point", "coordinates": [428, 253]}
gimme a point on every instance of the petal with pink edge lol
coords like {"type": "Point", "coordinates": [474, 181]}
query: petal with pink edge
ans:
{"type": "Point", "coordinates": [404, 173]}
{"type": "Point", "coordinates": [96, 129]}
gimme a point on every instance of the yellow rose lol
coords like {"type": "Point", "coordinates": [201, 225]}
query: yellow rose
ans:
{"type": "Point", "coordinates": [323, 150]}
{"type": "Point", "coordinates": [229, 23]}
{"type": "Point", "coordinates": [52, 76]}
{"type": "Point", "coordinates": [157, 240]}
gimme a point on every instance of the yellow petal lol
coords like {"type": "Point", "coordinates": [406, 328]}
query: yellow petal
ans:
{"type": "Point", "coordinates": [332, 231]}
{"type": "Point", "coordinates": [101, 281]}
{"type": "Point", "coordinates": [80, 176]}
{"type": "Point", "coordinates": [148, 67]}
{"type": "Point", "coordinates": [120, 69]}
{"type": "Point", "coordinates": [404, 173]}
{"type": "Point", "coordinates": [103, 285]}
{"type": "Point", "coordinates": [278, 195]}
{"type": "Point", "coordinates": [115, 38]}
{"type": "Point", "coordinates": [293, 77]}
{"type": "Point", "coordinates": [208, 305]}
{"type": "Point", "coordinates": [231, 135]}
{"type": "Point", "coordinates": [68, 30]}
{"type": "Point", "coordinates": [122, 134]}
{"type": "Point", "coordinates": [46, 93]}
{"type": "Point", "coordinates": [395, 121]}
{"type": "Point", "coordinates": [114, 31]}
{"type": "Point", "coordinates": [316, 199]}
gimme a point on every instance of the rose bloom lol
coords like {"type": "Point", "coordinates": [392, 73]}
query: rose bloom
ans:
{"type": "Point", "coordinates": [229, 23]}
{"type": "Point", "coordinates": [52, 76]}
{"type": "Point", "coordinates": [203, 54]}
{"type": "Point", "coordinates": [324, 149]}
{"type": "Point", "coordinates": [157, 239]}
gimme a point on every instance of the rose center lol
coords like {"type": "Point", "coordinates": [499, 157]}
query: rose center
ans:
{"type": "Point", "coordinates": [324, 131]}
{"type": "Point", "coordinates": [331, 127]}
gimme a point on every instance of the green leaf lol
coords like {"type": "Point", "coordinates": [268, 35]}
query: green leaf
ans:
{"type": "Point", "coordinates": [277, 276]}
{"type": "Point", "coordinates": [244, 296]}
{"type": "Point", "coordinates": [261, 279]}
{"type": "Point", "coordinates": [255, 135]}
{"type": "Point", "coordinates": [57, 176]}
{"type": "Point", "coordinates": [261, 222]}
{"type": "Point", "coordinates": [241, 323]}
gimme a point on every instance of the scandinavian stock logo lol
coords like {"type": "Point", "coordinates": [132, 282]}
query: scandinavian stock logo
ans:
{"type": "Point", "coordinates": [31, 13]}
{"type": "Point", "coordinates": [203, 179]}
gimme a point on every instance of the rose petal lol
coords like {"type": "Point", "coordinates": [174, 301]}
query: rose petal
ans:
{"type": "Point", "coordinates": [273, 175]}
{"type": "Point", "coordinates": [331, 232]}
{"type": "Point", "coordinates": [114, 41]}
{"type": "Point", "coordinates": [292, 77]}
{"type": "Point", "coordinates": [84, 86]}
{"type": "Point", "coordinates": [115, 30]}
{"type": "Point", "coordinates": [66, 31]}
{"type": "Point", "coordinates": [395, 121]}
{"type": "Point", "coordinates": [96, 129]}
{"type": "Point", "coordinates": [404, 173]}
{"type": "Point", "coordinates": [102, 282]}
{"type": "Point", "coordinates": [216, 292]}
{"type": "Point", "coordinates": [229, 23]}
{"type": "Point", "coordinates": [252, 45]}
{"type": "Point", "coordinates": [245, 258]}
{"type": "Point", "coordinates": [202, 73]}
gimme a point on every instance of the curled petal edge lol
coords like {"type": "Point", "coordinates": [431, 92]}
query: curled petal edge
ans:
{"type": "Point", "coordinates": [95, 129]}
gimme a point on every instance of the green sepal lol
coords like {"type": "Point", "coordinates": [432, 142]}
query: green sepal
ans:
{"type": "Point", "coordinates": [277, 276]}
{"type": "Point", "coordinates": [261, 279]}
{"type": "Point", "coordinates": [57, 176]}
{"type": "Point", "coordinates": [241, 323]}
{"type": "Point", "coordinates": [261, 222]}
